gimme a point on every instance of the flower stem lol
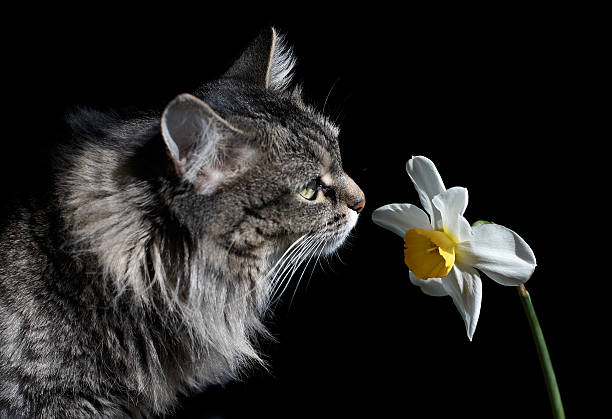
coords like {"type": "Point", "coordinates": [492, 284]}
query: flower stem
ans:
{"type": "Point", "coordinates": [547, 369]}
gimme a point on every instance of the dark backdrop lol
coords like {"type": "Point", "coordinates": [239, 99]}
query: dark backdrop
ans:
{"type": "Point", "coordinates": [484, 94]}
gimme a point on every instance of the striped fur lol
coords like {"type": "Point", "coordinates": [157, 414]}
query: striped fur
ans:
{"type": "Point", "coordinates": [132, 280]}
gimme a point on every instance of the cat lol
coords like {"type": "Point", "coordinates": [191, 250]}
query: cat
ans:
{"type": "Point", "coordinates": [148, 266]}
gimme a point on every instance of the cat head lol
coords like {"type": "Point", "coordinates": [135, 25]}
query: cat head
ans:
{"type": "Point", "coordinates": [263, 168]}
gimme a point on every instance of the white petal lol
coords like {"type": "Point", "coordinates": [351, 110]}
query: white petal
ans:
{"type": "Point", "coordinates": [500, 253]}
{"type": "Point", "coordinates": [427, 182]}
{"type": "Point", "coordinates": [452, 204]}
{"type": "Point", "coordinates": [431, 286]}
{"type": "Point", "coordinates": [463, 284]}
{"type": "Point", "coordinates": [399, 218]}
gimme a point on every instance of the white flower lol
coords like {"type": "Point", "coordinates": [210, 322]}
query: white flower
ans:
{"type": "Point", "coordinates": [443, 251]}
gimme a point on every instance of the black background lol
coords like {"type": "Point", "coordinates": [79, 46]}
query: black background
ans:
{"type": "Point", "coordinates": [493, 97]}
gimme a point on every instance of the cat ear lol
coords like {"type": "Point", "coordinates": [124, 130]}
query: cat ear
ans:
{"type": "Point", "coordinates": [204, 148]}
{"type": "Point", "coordinates": [267, 62]}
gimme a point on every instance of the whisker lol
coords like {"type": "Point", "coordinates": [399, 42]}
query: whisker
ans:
{"type": "Point", "coordinates": [310, 250]}
{"type": "Point", "coordinates": [319, 245]}
{"type": "Point", "coordinates": [295, 262]}
{"type": "Point", "coordinates": [296, 244]}
{"type": "Point", "coordinates": [277, 279]}
{"type": "Point", "coordinates": [284, 261]}
{"type": "Point", "coordinates": [328, 94]}
{"type": "Point", "coordinates": [284, 255]}
{"type": "Point", "coordinates": [317, 260]}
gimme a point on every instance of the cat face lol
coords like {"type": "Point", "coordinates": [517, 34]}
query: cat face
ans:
{"type": "Point", "coordinates": [265, 167]}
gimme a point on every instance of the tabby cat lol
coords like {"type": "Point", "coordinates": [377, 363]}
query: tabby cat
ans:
{"type": "Point", "coordinates": [148, 266]}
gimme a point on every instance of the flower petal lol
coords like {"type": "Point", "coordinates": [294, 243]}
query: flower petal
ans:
{"type": "Point", "coordinates": [399, 218]}
{"type": "Point", "coordinates": [498, 252]}
{"type": "Point", "coordinates": [427, 182]}
{"type": "Point", "coordinates": [431, 286]}
{"type": "Point", "coordinates": [452, 204]}
{"type": "Point", "coordinates": [463, 284]}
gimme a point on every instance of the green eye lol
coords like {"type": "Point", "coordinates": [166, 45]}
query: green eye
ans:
{"type": "Point", "coordinates": [310, 190]}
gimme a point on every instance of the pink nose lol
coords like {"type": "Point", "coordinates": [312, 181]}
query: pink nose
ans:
{"type": "Point", "coordinates": [358, 206]}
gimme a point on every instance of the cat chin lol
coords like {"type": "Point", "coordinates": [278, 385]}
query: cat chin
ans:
{"type": "Point", "coordinates": [334, 242]}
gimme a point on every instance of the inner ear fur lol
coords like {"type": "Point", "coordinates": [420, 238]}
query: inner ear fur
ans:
{"type": "Point", "coordinates": [205, 149]}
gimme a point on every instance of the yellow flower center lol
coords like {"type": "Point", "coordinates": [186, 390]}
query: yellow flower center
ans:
{"type": "Point", "coordinates": [429, 253]}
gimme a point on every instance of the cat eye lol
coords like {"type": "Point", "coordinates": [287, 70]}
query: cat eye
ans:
{"type": "Point", "coordinates": [310, 190]}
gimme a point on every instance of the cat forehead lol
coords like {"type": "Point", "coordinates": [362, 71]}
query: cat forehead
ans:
{"type": "Point", "coordinates": [300, 125]}
{"type": "Point", "coordinates": [288, 127]}
{"type": "Point", "coordinates": [279, 121]}
{"type": "Point", "coordinates": [312, 139]}
{"type": "Point", "coordinates": [282, 110]}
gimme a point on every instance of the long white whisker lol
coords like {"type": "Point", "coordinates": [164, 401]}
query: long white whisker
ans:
{"type": "Point", "coordinates": [316, 249]}
{"type": "Point", "coordinates": [285, 260]}
{"type": "Point", "coordinates": [296, 244]}
{"type": "Point", "coordinates": [284, 256]}
{"type": "Point", "coordinates": [316, 261]}
{"type": "Point", "coordinates": [284, 263]}
{"type": "Point", "coordinates": [294, 262]}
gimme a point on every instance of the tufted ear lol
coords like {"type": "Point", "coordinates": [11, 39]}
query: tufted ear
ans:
{"type": "Point", "coordinates": [267, 62]}
{"type": "Point", "coordinates": [205, 149]}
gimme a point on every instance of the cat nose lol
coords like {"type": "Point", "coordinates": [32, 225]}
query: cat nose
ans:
{"type": "Point", "coordinates": [354, 197]}
{"type": "Point", "coordinates": [358, 206]}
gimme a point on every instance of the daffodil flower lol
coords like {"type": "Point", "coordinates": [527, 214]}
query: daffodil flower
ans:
{"type": "Point", "coordinates": [444, 253]}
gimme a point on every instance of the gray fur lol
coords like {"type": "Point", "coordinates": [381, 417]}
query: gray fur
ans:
{"type": "Point", "coordinates": [147, 268]}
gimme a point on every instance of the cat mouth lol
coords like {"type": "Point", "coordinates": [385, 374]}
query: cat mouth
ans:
{"type": "Point", "coordinates": [303, 251]}
{"type": "Point", "coordinates": [334, 242]}
{"type": "Point", "coordinates": [313, 245]}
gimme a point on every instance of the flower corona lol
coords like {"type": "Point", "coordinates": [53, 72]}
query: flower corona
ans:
{"type": "Point", "coordinates": [428, 253]}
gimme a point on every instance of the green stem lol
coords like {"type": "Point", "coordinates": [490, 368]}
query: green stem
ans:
{"type": "Point", "coordinates": [547, 369]}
